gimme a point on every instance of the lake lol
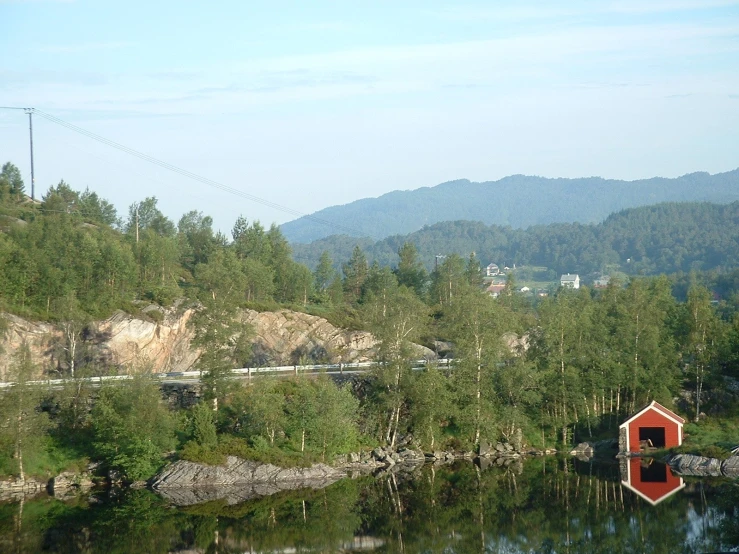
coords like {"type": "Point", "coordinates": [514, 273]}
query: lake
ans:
{"type": "Point", "coordinates": [544, 505]}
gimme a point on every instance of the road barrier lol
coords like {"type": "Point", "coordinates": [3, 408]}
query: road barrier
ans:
{"type": "Point", "coordinates": [177, 376]}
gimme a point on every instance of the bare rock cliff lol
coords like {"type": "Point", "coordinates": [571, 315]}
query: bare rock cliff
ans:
{"type": "Point", "coordinates": [163, 341]}
{"type": "Point", "coordinates": [289, 337]}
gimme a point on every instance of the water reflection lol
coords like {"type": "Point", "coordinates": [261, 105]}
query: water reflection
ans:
{"type": "Point", "coordinates": [543, 506]}
{"type": "Point", "coordinates": [651, 480]}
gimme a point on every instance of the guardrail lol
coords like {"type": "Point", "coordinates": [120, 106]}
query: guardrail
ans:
{"type": "Point", "coordinates": [355, 367]}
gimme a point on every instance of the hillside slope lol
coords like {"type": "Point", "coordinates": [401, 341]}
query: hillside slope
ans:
{"type": "Point", "coordinates": [517, 201]}
{"type": "Point", "coordinates": [663, 238]}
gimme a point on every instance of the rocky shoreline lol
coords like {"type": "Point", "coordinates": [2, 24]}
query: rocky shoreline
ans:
{"type": "Point", "coordinates": [65, 485]}
{"type": "Point", "coordinates": [700, 466]}
{"type": "Point", "coordinates": [185, 483]}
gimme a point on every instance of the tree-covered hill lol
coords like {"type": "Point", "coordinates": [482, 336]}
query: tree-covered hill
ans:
{"type": "Point", "coordinates": [518, 201]}
{"type": "Point", "coordinates": [664, 238]}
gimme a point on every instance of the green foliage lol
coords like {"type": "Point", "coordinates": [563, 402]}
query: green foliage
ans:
{"type": "Point", "coordinates": [410, 271]}
{"type": "Point", "coordinates": [355, 274]}
{"type": "Point", "coordinates": [203, 425]}
{"type": "Point", "coordinates": [11, 182]}
{"type": "Point", "coordinates": [193, 451]}
{"type": "Point", "coordinates": [23, 425]}
{"type": "Point", "coordinates": [132, 427]}
{"type": "Point", "coordinates": [716, 435]}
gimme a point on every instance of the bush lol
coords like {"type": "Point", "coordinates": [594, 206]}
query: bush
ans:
{"type": "Point", "coordinates": [194, 452]}
{"type": "Point", "coordinates": [132, 428]}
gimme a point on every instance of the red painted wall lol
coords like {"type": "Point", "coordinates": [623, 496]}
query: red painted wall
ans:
{"type": "Point", "coordinates": [652, 418]}
{"type": "Point", "coordinates": [653, 491]}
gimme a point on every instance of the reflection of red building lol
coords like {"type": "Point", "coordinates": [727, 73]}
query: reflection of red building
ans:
{"type": "Point", "coordinates": [654, 426]}
{"type": "Point", "coordinates": [654, 481]}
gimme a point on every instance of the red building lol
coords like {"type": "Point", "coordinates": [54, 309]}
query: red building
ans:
{"type": "Point", "coordinates": [653, 426]}
{"type": "Point", "coordinates": [653, 481]}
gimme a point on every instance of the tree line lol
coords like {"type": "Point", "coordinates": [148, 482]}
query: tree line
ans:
{"type": "Point", "coordinates": [665, 238]}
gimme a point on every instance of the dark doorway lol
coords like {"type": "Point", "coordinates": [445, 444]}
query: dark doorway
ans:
{"type": "Point", "coordinates": [652, 436]}
{"type": "Point", "coordinates": [654, 473]}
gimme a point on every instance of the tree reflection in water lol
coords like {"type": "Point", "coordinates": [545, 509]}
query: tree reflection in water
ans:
{"type": "Point", "coordinates": [544, 505]}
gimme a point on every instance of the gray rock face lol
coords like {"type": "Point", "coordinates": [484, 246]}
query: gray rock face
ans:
{"type": "Point", "coordinates": [235, 472]}
{"type": "Point", "coordinates": [12, 489]}
{"type": "Point", "coordinates": [186, 483]}
{"type": "Point", "coordinates": [69, 483]}
{"type": "Point", "coordinates": [584, 449]}
{"type": "Point", "coordinates": [688, 464]}
{"type": "Point", "coordinates": [730, 466]}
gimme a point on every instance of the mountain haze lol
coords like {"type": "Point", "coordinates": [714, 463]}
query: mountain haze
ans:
{"type": "Point", "coordinates": [518, 201]}
{"type": "Point", "coordinates": [663, 238]}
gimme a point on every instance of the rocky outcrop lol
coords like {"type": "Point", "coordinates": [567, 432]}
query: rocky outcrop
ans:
{"type": "Point", "coordinates": [161, 341]}
{"type": "Point", "coordinates": [730, 466]}
{"type": "Point", "coordinates": [15, 488]}
{"type": "Point", "coordinates": [69, 483]}
{"type": "Point", "coordinates": [38, 336]}
{"type": "Point", "coordinates": [185, 483]}
{"type": "Point", "coordinates": [688, 464]}
{"type": "Point", "coordinates": [287, 337]}
{"type": "Point", "coordinates": [584, 450]}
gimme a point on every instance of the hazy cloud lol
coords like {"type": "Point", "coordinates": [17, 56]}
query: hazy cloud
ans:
{"type": "Point", "coordinates": [174, 75]}
{"type": "Point", "coordinates": [83, 47]}
{"type": "Point", "coordinates": [11, 78]}
{"type": "Point", "coordinates": [543, 11]}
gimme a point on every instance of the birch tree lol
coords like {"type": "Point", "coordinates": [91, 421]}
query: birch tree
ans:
{"type": "Point", "coordinates": [476, 324]}
{"type": "Point", "coordinates": [397, 318]}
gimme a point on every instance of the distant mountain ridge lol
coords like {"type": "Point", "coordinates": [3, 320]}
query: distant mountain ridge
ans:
{"type": "Point", "coordinates": [662, 238]}
{"type": "Point", "coordinates": [518, 201]}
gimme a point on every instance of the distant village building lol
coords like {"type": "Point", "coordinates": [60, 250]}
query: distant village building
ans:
{"type": "Point", "coordinates": [492, 270]}
{"type": "Point", "coordinates": [524, 289]}
{"type": "Point", "coordinates": [495, 289]}
{"type": "Point", "coordinates": [569, 280]}
{"type": "Point", "coordinates": [601, 282]}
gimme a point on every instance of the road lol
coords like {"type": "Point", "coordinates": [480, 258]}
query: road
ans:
{"type": "Point", "coordinates": [193, 377]}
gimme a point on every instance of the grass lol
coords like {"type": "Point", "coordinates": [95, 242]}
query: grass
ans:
{"type": "Point", "coordinates": [45, 460]}
{"type": "Point", "coordinates": [229, 445]}
{"type": "Point", "coordinates": [712, 438]}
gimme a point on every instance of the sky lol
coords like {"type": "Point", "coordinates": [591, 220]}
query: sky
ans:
{"type": "Point", "coordinates": [305, 105]}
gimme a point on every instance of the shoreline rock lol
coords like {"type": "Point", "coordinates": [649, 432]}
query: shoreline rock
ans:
{"type": "Point", "coordinates": [12, 489]}
{"type": "Point", "coordinates": [701, 466]}
{"type": "Point", "coordinates": [185, 483]}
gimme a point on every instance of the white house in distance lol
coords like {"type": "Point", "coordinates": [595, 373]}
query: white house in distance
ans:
{"type": "Point", "coordinates": [492, 270]}
{"type": "Point", "coordinates": [569, 280]}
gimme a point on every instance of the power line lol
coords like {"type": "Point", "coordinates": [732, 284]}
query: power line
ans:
{"type": "Point", "coordinates": [29, 111]}
{"type": "Point", "coordinates": [190, 174]}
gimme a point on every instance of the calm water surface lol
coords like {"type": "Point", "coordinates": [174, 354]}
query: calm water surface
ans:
{"type": "Point", "coordinates": [543, 506]}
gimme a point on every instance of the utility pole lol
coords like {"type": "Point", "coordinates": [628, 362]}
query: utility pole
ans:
{"type": "Point", "coordinates": [29, 111]}
{"type": "Point", "coordinates": [437, 258]}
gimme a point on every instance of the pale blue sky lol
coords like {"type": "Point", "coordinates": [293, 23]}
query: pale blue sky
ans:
{"type": "Point", "coordinates": [310, 104]}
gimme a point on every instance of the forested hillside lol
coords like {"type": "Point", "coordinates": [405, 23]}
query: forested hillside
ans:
{"type": "Point", "coordinates": [72, 253]}
{"type": "Point", "coordinates": [526, 370]}
{"type": "Point", "coordinates": [518, 201]}
{"type": "Point", "coordinates": [665, 238]}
